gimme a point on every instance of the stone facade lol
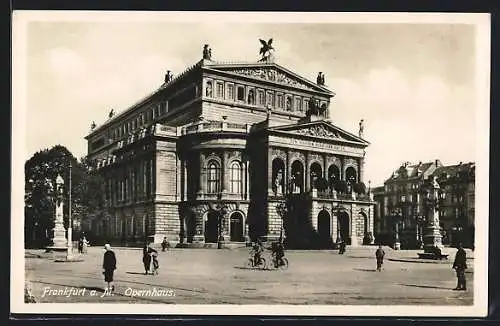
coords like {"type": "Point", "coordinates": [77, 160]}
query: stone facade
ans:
{"type": "Point", "coordinates": [210, 155]}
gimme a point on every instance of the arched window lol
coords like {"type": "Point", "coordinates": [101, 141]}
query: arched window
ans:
{"type": "Point", "coordinates": [213, 178]}
{"type": "Point", "coordinates": [235, 179]}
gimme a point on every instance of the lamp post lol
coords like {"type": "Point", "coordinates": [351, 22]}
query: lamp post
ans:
{"type": "Point", "coordinates": [339, 236]}
{"type": "Point", "coordinates": [69, 254]}
{"type": "Point", "coordinates": [396, 215]}
{"type": "Point", "coordinates": [282, 210]}
{"type": "Point", "coordinates": [222, 209]}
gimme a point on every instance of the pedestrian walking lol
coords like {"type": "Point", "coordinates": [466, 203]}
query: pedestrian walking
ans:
{"type": "Point", "coordinates": [109, 267]}
{"type": "Point", "coordinates": [85, 245]}
{"type": "Point", "coordinates": [342, 247]}
{"type": "Point", "coordinates": [146, 258]}
{"type": "Point", "coordinates": [460, 265]}
{"type": "Point", "coordinates": [156, 263]}
{"type": "Point", "coordinates": [164, 244]}
{"type": "Point", "coordinates": [379, 255]}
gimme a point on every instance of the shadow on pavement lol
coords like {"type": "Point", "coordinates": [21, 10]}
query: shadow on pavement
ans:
{"type": "Point", "coordinates": [135, 273]}
{"type": "Point", "coordinates": [253, 268]}
{"type": "Point", "coordinates": [426, 286]}
{"type": "Point", "coordinates": [365, 270]}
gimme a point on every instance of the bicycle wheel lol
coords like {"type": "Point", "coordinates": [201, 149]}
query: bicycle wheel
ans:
{"type": "Point", "coordinates": [262, 263]}
{"type": "Point", "coordinates": [284, 264]}
{"type": "Point", "coordinates": [248, 263]}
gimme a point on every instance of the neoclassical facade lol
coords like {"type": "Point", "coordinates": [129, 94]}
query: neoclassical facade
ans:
{"type": "Point", "coordinates": [227, 153]}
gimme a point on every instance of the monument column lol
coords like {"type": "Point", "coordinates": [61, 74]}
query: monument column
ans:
{"type": "Point", "coordinates": [59, 241]}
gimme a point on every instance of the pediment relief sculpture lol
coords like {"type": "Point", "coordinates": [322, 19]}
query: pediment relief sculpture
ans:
{"type": "Point", "coordinates": [318, 131]}
{"type": "Point", "coordinates": [272, 75]}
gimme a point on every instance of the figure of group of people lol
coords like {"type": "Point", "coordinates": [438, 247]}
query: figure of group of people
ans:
{"type": "Point", "coordinates": [83, 244]}
{"type": "Point", "coordinates": [459, 265]}
{"type": "Point", "coordinates": [277, 251]}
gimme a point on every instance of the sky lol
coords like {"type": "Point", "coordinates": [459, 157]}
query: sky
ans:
{"type": "Point", "coordinates": [413, 84]}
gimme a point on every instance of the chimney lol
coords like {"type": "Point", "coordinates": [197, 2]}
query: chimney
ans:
{"type": "Point", "coordinates": [436, 162]}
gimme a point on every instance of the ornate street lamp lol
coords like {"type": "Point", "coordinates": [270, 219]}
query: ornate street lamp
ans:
{"type": "Point", "coordinates": [222, 209]}
{"type": "Point", "coordinates": [396, 216]}
{"type": "Point", "coordinates": [282, 210]}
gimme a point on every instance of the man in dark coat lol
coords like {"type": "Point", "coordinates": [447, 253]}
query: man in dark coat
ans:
{"type": "Point", "coordinates": [460, 265]}
{"type": "Point", "coordinates": [379, 254]}
{"type": "Point", "coordinates": [146, 258]}
{"type": "Point", "coordinates": [109, 267]}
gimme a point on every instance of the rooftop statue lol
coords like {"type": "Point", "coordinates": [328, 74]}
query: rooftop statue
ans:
{"type": "Point", "coordinates": [207, 52]}
{"type": "Point", "coordinates": [265, 50]}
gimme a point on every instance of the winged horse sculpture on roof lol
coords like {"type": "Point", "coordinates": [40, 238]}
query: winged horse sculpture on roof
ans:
{"type": "Point", "coordinates": [266, 49]}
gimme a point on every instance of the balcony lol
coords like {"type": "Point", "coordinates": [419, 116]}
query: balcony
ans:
{"type": "Point", "coordinates": [216, 126]}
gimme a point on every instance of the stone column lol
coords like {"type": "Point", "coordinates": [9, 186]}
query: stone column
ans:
{"type": "Point", "coordinates": [247, 179]}
{"type": "Point", "coordinates": [325, 167]}
{"type": "Point", "coordinates": [286, 174]}
{"type": "Point", "coordinates": [342, 164]}
{"type": "Point", "coordinates": [307, 186]}
{"type": "Point", "coordinates": [225, 172]}
{"type": "Point", "coordinates": [202, 174]}
{"type": "Point", "coordinates": [361, 170]}
{"type": "Point", "coordinates": [354, 226]}
{"type": "Point", "coordinates": [270, 191]}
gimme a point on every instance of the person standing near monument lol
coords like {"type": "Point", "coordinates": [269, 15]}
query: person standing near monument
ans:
{"type": "Point", "coordinates": [109, 267]}
{"type": "Point", "coordinates": [460, 265]}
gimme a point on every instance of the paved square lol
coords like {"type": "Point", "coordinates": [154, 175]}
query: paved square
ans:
{"type": "Point", "coordinates": [208, 276]}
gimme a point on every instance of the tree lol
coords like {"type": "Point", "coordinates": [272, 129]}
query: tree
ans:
{"type": "Point", "coordinates": [41, 171]}
{"type": "Point", "coordinates": [359, 188]}
{"type": "Point", "coordinates": [321, 184]}
{"type": "Point", "coordinates": [340, 186]}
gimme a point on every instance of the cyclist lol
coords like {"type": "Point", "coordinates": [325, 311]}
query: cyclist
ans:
{"type": "Point", "coordinates": [257, 252]}
{"type": "Point", "coordinates": [278, 253]}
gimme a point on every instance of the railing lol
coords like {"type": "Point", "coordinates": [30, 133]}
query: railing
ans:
{"type": "Point", "coordinates": [211, 126]}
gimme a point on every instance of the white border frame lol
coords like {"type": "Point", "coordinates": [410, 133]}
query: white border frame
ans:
{"type": "Point", "coordinates": [19, 39]}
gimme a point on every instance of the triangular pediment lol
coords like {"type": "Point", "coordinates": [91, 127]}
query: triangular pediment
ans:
{"type": "Point", "coordinates": [319, 129]}
{"type": "Point", "coordinates": [271, 72]}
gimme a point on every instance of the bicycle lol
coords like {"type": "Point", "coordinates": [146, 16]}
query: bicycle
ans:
{"type": "Point", "coordinates": [262, 264]}
{"type": "Point", "coordinates": [282, 264]}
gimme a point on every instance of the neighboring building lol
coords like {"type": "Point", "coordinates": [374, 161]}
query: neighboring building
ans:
{"type": "Point", "coordinates": [401, 202]}
{"type": "Point", "coordinates": [457, 209]}
{"type": "Point", "coordinates": [212, 153]}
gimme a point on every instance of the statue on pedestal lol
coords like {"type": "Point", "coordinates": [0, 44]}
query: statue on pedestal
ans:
{"type": "Point", "coordinates": [59, 240]}
{"type": "Point", "coordinates": [207, 52]}
{"type": "Point", "coordinates": [361, 128]}
{"type": "Point", "coordinates": [266, 49]}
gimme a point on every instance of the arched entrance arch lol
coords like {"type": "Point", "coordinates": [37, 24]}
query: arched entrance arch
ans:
{"type": "Point", "coordinates": [297, 177]}
{"type": "Point", "coordinates": [278, 176]}
{"type": "Point", "coordinates": [212, 227]}
{"type": "Point", "coordinates": [236, 227]}
{"type": "Point", "coordinates": [190, 226]}
{"type": "Point", "coordinates": [344, 227]}
{"type": "Point", "coordinates": [316, 172]}
{"type": "Point", "coordinates": [324, 228]}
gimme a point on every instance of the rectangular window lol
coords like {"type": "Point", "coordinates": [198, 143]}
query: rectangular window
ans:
{"type": "Point", "coordinates": [230, 92]}
{"type": "Point", "coordinates": [157, 111]}
{"type": "Point", "coordinates": [270, 99]}
{"type": "Point", "coordinates": [220, 90]}
{"type": "Point", "coordinates": [163, 108]}
{"type": "Point", "coordinates": [298, 104]}
{"type": "Point", "coordinates": [279, 99]}
{"type": "Point", "coordinates": [306, 103]}
{"type": "Point", "coordinates": [241, 93]}
{"type": "Point", "coordinates": [262, 97]}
